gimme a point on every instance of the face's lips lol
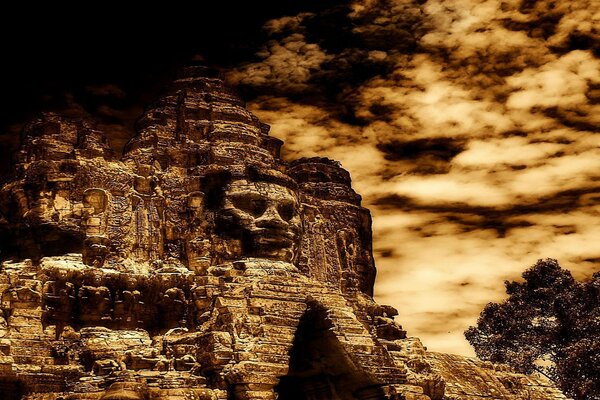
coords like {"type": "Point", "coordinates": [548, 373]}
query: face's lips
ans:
{"type": "Point", "coordinates": [274, 243]}
{"type": "Point", "coordinates": [273, 232]}
{"type": "Point", "coordinates": [265, 236]}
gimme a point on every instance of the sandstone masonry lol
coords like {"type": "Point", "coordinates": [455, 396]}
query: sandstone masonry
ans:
{"type": "Point", "coordinates": [200, 265]}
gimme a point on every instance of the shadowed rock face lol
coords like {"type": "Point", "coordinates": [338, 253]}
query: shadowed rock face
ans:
{"type": "Point", "coordinates": [199, 265]}
{"type": "Point", "coordinates": [201, 183]}
{"type": "Point", "coordinates": [263, 216]}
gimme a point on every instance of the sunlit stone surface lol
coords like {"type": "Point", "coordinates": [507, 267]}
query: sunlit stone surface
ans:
{"type": "Point", "coordinates": [201, 266]}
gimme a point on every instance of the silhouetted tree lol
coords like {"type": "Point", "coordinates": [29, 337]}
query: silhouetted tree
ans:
{"type": "Point", "coordinates": [550, 323]}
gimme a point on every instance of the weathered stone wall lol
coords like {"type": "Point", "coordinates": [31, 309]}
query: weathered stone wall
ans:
{"type": "Point", "coordinates": [201, 266]}
{"type": "Point", "coordinates": [337, 240]}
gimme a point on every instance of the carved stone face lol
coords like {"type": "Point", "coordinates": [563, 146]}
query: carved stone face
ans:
{"type": "Point", "coordinates": [265, 217]}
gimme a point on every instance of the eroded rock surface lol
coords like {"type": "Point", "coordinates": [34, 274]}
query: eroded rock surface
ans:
{"type": "Point", "coordinates": [200, 265]}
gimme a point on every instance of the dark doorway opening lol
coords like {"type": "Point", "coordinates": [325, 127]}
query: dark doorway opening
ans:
{"type": "Point", "coordinates": [320, 368]}
{"type": "Point", "coordinates": [11, 389]}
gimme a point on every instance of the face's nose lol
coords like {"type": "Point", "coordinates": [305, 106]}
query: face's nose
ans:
{"type": "Point", "coordinates": [271, 218]}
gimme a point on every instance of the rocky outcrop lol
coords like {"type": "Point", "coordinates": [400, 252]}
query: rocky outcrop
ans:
{"type": "Point", "coordinates": [200, 265]}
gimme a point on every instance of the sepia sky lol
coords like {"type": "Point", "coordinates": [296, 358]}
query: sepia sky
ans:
{"type": "Point", "coordinates": [470, 127]}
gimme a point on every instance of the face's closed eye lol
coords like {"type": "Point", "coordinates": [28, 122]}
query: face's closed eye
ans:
{"type": "Point", "coordinates": [286, 211]}
{"type": "Point", "coordinates": [252, 205]}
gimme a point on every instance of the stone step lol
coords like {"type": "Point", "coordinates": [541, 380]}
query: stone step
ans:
{"type": "Point", "coordinates": [34, 360]}
{"type": "Point", "coordinates": [259, 395]}
{"type": "Point", "coordinates": [286, 296]}
{"type": "Point", "coordinates": [42, 382]}
{"type": "Point", "coordinates": [27, 351]}
{"type": "Point", "coordinates": [278, 320]}
{"type": "Point", "coordinates": [349, 328]}
{"type": "Point", "coordinates": [272, 358]}
{"type": "Point", "coordinates": [359, 341]}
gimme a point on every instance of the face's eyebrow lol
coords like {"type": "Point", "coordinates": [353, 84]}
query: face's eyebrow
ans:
{"type": "Point", "coordinates": [250, 193]}
{"type": "Point", "coordinates": [291, 202]}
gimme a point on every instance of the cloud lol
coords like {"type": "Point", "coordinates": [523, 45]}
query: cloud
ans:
{"type": "Point", "coordinates": [422, 100]}
{"type": "Point", "coordinates": [287, 65]}
{"type": "Point", "coordinates": [394, 26]}
{"type": "Point", "coordinates": [502, 187]}
{"type": "Point", "coordinates": [326, 53]}
{"type": "Point", "coordinates": [470, 127]}
{"type": "Point", "coordinates": [442, 275]}
{"type": "Point", "coordinates": [429, 155]}
{"type": "Point", "coordinates": [105, 90]}
{"type": "Point", "coordinates": [517, 151]}
{"type": "Point", "coordinates": [560, 83]}
{"type": "Point", "coordinates": [306, 129]}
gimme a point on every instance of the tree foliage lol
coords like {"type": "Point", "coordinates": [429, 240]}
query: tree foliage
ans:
{"type": "Point", "coordinates": [550, 323]}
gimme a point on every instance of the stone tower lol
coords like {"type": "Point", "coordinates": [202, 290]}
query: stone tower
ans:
{"type": "Point", "coordinates": [200, 265]}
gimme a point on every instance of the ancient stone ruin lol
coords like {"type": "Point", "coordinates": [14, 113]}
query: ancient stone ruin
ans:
{"type": "Point", "coordinates": [200, 265]}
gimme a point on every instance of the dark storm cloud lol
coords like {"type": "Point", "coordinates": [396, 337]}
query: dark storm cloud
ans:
{"type": "Point", "coordinates": [500, 219]}
{"type": "Point", "coordinates": [565, 202]}
{"type": "Point", "coordinates": [579, 118]}
{"type": "Point", "coordinates": [444, 149]}
{"type": "Point", "coordinates": [117, 121]}
{"type": "Point", "coordinates": [106, 90]}
{"type": "Point", "coordinates": [583, 41]}
{"type": "Point", "coordinates": [430, 156]}
{"type": "Point", "coordinates": [329, 53]}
